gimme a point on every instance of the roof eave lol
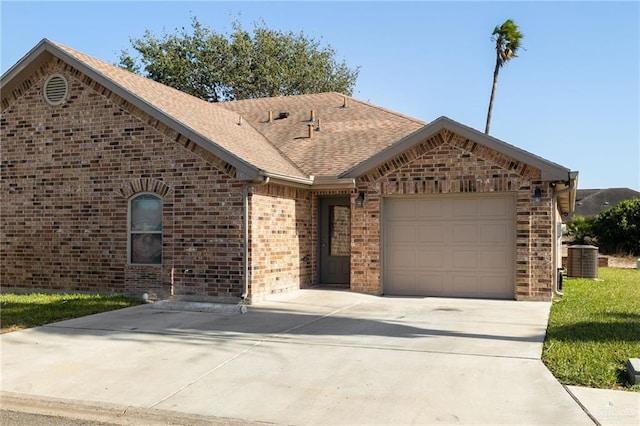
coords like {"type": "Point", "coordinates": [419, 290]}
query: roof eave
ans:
{"type": "Point", "coordinates": [312, 182]}
{"type": "Point", "coordinates": [38, 55]}
{"type": "Point", "coordinates": [332, 182]}
{"type": "Point", "coordinates": [565, 192]}
{"type": "Point", "coordinates": [281, 179]}
{"type": "Point", "coordinates": [550, 171]}
{"type": "Point", "coordinates": [25, 66]}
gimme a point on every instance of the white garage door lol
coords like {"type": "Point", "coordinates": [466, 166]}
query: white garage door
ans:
{"type": "Point", "coordinates": [451, 246]}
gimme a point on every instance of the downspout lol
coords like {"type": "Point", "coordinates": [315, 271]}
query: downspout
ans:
{"type": "Point", "coordinates": [245, 234]}
{"type": "Point", "coordinates": [556, 291]}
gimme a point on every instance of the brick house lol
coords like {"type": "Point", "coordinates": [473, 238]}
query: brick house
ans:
{"type": "Point", "coordinates": [115, 183]}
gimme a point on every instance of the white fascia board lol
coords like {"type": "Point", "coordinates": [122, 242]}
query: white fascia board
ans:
{"type": "Point", "coordinates": [332, 182]}
{"type": "Point", "coordinates": [299, 182]}
{"type": "Point", "coordinates": [312, 182]}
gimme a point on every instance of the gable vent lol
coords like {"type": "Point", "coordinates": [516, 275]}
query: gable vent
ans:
{"type": "Point", "coordinates": [55, 89]}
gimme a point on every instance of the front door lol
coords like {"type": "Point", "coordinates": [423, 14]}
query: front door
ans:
{"type": "Point", "coordinates": [335, 240]}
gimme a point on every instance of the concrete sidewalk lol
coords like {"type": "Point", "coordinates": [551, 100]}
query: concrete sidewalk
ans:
{"type": "Point", "coordinates": [310, 357]}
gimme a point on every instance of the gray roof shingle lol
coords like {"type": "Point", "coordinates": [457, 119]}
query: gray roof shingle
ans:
{"type": "Point", "coordinates": [590, 202]}
{"type": "Point", "coordinates": [348, 135]}
{"type": "Point", "coordinates": [207, 120]}
{"type": "Point", "coordinates": [346, 131]}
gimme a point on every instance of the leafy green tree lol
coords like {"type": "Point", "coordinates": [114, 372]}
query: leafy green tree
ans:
{"type": "Point", "coordinates": [618, 228]}
{"type": "Point", "coordinates": [507, 38]}
{"type": "Point", "coordinates": [241, 65]}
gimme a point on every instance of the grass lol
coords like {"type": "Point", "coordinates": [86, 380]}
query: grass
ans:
{"type": "Point", "coordinates": [18, 311]}
{"type": "Point", "coordinates": [594, 329]}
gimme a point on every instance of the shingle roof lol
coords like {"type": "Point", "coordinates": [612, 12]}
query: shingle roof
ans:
{"type": "Point", "coordinates": [348, 131]}
{"type": "Point", "coordinates": [215, 127]}
{"type": "Point", "coordinates": [219, 125]}
{"type": "Point", "coordinates": [349, 135]}
{"type": "Point", "coordinates": [590, 202]}
{"type": "Point", "coordinates": [345, 131]}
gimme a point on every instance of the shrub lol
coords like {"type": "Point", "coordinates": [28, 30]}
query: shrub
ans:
{"type": "Point", "coordinates": [618, 229]}
{"type": "Point", "coordinates": [580, 230]}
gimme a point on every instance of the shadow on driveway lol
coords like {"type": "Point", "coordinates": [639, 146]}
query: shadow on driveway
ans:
{"type": "Point", "coordinates": [486, 327]}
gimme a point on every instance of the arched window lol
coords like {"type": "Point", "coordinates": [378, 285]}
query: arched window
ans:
{"type": "Point", "coordinates": [145, 230]}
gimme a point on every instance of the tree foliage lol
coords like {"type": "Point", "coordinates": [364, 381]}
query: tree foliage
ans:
{"type": "Point", "coordinates": [508, 39]}
{"type": "Point", "coordinates": [240, 65]}
{"type": "Point", "coordinates": [618, 228]}
{"type": "Point", "coordinates": [580, 230]}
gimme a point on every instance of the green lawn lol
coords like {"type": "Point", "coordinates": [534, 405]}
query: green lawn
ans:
{"type": "Point", "coordinates": [18, 311]}
{"type": "Point", "coordinates": [594, 329]}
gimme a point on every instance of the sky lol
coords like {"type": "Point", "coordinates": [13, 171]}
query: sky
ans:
{"type": "Point", "coordinates": [572, 96]}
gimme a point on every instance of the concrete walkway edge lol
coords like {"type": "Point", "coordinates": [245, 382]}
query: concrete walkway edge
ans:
{"type": "Point", "coordinates": [607, 407]}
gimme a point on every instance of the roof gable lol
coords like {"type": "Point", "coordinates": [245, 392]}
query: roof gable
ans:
{"type": "Point", "coordinates": [216, 129]}
{"type": "Point", "coordinates": [549, 171]}
{"type": "Point", "coordinates": [326, 139]}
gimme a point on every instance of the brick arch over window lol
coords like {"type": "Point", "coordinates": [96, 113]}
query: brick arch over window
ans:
{"type": "Point", "coordinates": [144, 185]}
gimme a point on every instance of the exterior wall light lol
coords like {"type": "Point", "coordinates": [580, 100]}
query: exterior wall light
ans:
{"type": "Point", "coordinates": [537, 196]}
{"type": "Point", "coordinates": [360, 200]}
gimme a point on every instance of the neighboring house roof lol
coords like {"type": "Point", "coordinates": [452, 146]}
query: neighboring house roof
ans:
{"type": "Point", "coordinates": [349, 137]}
{"type": "Point", "coordinates": [590, 202]}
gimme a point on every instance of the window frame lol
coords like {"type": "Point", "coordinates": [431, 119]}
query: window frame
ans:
{"type": "Point", "coordinates": [131, 232]}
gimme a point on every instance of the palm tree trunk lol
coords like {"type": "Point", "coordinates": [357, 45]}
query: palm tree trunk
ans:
{"type": "Point", "coordinates": [493, 95]}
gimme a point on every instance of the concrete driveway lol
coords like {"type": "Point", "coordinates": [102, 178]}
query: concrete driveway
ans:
{"type": "Point", "coordinates": [309, 357]}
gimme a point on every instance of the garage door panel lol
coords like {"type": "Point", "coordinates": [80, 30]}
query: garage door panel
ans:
{"type": "Point", "coordinates": [402, 233]}
{"type": "Point", "coordinates": [430, 233]}
{"type": "Point", "coordinates": [465, 259]}
{"type": "Point", "coordinates": [455, 246]}
{"type": "Point", "coordinates": [401, 211]}
{"type": "Point", "coordinates": [430, 260]}
{"type": "Point", "coordinates": [494, 232]}
{"type": "Point", "coordinates": [408, 284]}
{"type": "Point", "coordinates": [464, 233]}
{"type": "Point", "coordinates": [464, 284]}
{"type": "Point", "coordinates": [402, 259]}
{"type": "Point", "coordinates": [420, 260]}
{"type": "Point", "coordinates": [464, 208]}
{"type": "Point", "coordinates": [428, 208]}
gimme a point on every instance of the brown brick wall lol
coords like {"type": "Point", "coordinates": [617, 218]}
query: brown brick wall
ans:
{"type": "Point", "coordinates": [280, 239]}
{"type": "Point", "coordinates": [67, 174]}
{"type": "Point", "coordinates": [444, 164]}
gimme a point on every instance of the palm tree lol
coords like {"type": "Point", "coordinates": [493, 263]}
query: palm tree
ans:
{"type": "Point", "coordinates": [507, 37]}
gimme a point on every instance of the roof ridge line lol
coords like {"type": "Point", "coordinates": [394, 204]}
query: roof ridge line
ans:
{"type": "Point", "coordinates": [380, 108]}
{"type": "Point", "coordinates": [285, 156]}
